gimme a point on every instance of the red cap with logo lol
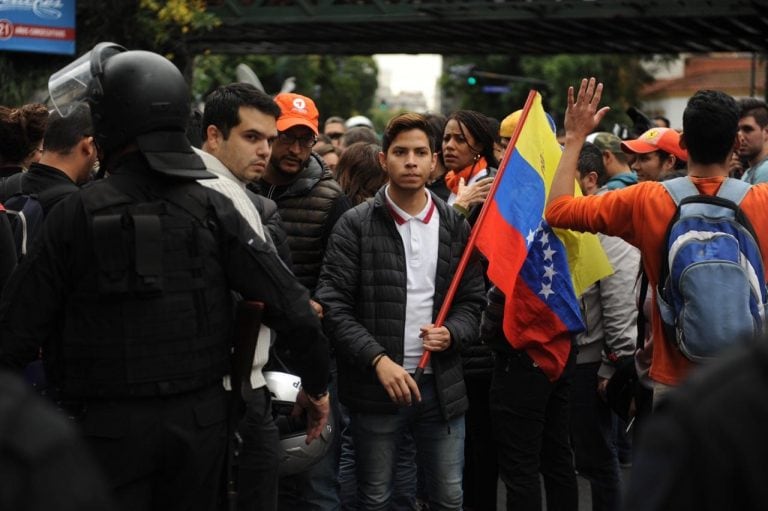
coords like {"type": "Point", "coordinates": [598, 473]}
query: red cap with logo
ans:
{"type": "Point", "coordinates": [665, 139]}
{"type": "Point", "coordinates": [296, 110]}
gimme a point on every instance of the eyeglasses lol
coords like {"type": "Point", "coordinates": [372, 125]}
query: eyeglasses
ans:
{"type": "Point", "coordinates": [304, 141]}
{"type": "Point", "coordinates": [335, 136]}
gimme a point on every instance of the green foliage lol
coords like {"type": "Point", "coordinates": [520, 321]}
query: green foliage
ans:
{"type": "Point", "coordinates": [343, 86]}
{"type": "Point", "coordinates": [622, 75]}
{"type": "Point", "coordinates": [460, 94]}
{"type": "Point", "coordinates": [380, 118]}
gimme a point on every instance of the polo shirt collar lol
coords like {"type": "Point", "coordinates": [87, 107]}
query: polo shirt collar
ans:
{"type": "Point", "coordinates": [400, 216]}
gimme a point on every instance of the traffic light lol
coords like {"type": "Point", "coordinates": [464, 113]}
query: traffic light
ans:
{"type": "Point", "coordinates": [471, 80]}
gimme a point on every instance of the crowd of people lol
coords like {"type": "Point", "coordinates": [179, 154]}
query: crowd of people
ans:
{"type": "Point", "coordinates": [232, 306]}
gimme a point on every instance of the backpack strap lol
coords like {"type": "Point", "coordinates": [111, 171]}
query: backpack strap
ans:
{"type": "Point", "coordinates": [680, 188]}
{"type": "Point", "coordinates": [11, 186]}
{"type": "Point", "coordinates": [734, 190]}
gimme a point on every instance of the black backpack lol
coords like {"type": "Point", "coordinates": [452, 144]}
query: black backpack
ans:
{"type": "Point", "coordinates": [25, 211]}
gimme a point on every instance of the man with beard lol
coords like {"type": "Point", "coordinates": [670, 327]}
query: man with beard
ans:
{"type": "Point", "coordinates": [753, 139]}
{"type": "Point", "coordinates": [309, 201]}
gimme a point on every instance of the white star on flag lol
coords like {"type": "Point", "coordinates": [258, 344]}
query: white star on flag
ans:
{"type": "Point", "coordinates": [546, 290]}
{"type": "Point", "coordinates": [548, 253]}
{"type": "Point", "coordinates": [544, 238]}
{"type": "Point", "coordinates": [549, 272]}
{"type": "Point", "coordinates": [529, 239]}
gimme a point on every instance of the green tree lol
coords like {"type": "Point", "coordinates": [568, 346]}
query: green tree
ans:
{"type": "Point", "coordinates": [460, 94]}
{"type": "Point", "coordinates": [622, 75]}
{"type": "Point", "coordinates": [342, 86]}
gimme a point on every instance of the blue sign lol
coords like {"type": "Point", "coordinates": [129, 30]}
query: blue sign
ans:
{"type": "Point", "coordinates": [41, 26]}
{"type": "Point", "coordinates": [495, 89]}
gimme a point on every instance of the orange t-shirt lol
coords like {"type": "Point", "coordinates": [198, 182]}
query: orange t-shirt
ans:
{"type": "Point", "coordinates": [640, 214]}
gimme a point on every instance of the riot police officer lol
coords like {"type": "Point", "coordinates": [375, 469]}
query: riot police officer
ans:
{"type": "Point", "coordinates": [129, 291]}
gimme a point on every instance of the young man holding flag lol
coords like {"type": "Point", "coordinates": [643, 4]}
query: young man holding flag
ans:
{"type": "Point", "coordinates": [386, 273]}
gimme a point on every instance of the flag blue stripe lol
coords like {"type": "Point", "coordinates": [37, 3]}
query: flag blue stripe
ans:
{"type": "Point", "coordinates": [520, 195]}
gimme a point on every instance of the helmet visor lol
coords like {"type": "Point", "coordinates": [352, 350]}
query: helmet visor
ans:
{"type": "Point", "coordinates": [69, 85]}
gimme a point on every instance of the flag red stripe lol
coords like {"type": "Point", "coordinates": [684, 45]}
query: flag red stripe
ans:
{"type": "Point", "coordinates": [499, 237]}
{"type": "Point", "coordinates": [530, 324]}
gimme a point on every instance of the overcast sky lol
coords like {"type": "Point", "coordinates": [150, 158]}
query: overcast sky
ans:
{"type": "Point", "coordinates": [412, 73]}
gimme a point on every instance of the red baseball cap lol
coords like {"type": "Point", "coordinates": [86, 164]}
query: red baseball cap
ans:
{"type": "Point", "coordinates": [665, 139]}
{"type": "Point", "coordinates": [296, 110]}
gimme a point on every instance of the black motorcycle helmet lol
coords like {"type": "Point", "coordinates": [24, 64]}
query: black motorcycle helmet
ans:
{"type": "Point", "coordinates": [135, 97]}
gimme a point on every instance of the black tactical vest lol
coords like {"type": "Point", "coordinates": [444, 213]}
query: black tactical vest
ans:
{"type": "Point", "coordinates": [153, 315]}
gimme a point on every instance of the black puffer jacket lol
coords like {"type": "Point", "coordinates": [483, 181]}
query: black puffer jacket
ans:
{"type": "Point", "coordinates": [362, 288]}
{"type": "Point", "coordinates": [309, 208]}
{"type": "Point", "coordinates": [273, 224]}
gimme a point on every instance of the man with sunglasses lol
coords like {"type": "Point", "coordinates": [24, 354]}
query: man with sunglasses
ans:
{"type": "Point", "coordinates": [309, 201]}
{"type": "Point", "coordinates": [308, 198]}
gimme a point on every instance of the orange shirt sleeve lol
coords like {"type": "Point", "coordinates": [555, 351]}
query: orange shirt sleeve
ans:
{"type": "Point", "coordinates": [619, 213]}
{"type": "Point", "coordinates": [755, 206]}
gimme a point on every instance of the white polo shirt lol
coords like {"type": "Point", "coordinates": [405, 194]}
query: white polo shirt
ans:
{"type": "Point", "coordinates": [421, 237]}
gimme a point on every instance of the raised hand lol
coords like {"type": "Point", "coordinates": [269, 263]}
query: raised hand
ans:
{"type": "Point", "coordinates": [582, 115]}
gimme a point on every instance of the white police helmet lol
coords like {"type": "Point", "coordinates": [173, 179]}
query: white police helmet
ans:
{"type": "Point", "coordinates": [296, 456]}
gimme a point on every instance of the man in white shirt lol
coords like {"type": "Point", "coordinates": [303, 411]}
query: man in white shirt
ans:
{"type": "Point", "coordinates": [386, 271]}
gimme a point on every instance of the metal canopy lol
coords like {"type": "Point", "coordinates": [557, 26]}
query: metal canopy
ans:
{"type": "Point", "coordinates": [533, 27]}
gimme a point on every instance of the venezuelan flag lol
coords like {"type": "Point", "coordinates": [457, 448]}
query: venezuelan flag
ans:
{"type": "Point", "coordinates": [541, 271]}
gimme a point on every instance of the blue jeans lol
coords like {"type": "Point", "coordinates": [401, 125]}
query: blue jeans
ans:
{"type": "Point", "coordinates": [405, 475]}
{"type": "Point", "coordinates": [439, 447]}
{"type": "Point", "coordinates": [592, 432]}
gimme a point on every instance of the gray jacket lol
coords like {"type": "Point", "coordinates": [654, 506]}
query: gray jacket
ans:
{"type": "Point", "coordinates": [609, 309]}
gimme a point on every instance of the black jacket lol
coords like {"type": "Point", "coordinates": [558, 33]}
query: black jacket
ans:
{"type": "Point", "coordinates": [273, 225]}
{"type": "Point", "coordinates": [704, 447]}
{"type": "Point", "coordinates": [309, 207]}
{"type": "Point", "coordinates": [362, 288]}
{"type": "Point", "coordinates": [62, 285]}
{"type": "Point", "coordinates": [49, 184]}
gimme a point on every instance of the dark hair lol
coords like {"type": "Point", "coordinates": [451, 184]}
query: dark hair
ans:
{"type": "Point", "coordinates": [404, 122]}
{"type": "Point", "coordinates": [756, 108]}
{"type": "Point", "coordinates": [359, 134]}
{"type": "Point", "coordinates": [663, 119]}
{"type": "Point", "coordinates": [621, 157]}
{"type": "Point", "coordinates": [437, 123]}
{"type": "Point", "coordinates": [591, 160]}
{"type": "Point", "coordinates": [21, 131]}
{"type": "Point", "coordinates": [710, 125]}
{"type": "Point", "coordinates": [479, 126]}
{"type": "Point", "coordinates": [63, 133]}
{"type": "Point", "coordinates": [359, 172]}
{"type": "Point", "coordinates": [323, 148]}
{"type": "Point", "coordinates": [222, 106]}
{"type": "Point", "coordinates": [333, 119]}
{"type": "Point", "coordinates": [680, 164]}
{"type": "Point", "coordinates": [495, 127]}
